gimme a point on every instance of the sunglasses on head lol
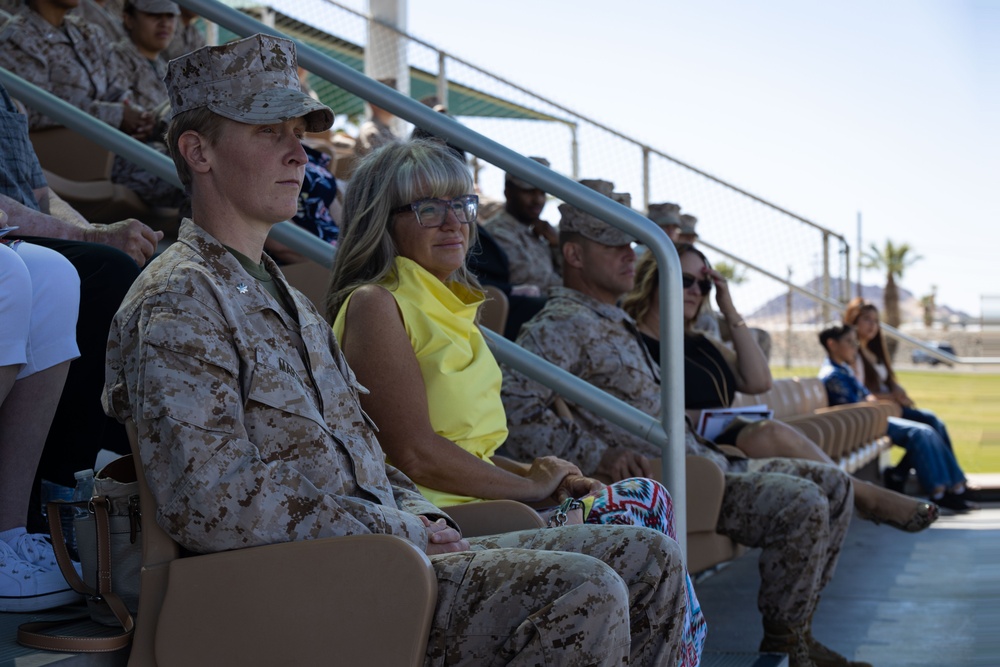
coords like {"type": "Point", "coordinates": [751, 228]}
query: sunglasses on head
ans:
{"type": "Point", "coordinates": [704, 285]}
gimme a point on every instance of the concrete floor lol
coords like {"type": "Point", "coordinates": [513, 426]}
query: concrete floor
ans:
{"type": "Point", "coordinates": [925, 600]}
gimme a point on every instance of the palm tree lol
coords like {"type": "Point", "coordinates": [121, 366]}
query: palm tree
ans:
{"type": "Point", "coordinates": [929, 304]}
{"type": "Point", "coordinates": [733, 273]}
{"type": "Point", "coordinates": [893, 260]}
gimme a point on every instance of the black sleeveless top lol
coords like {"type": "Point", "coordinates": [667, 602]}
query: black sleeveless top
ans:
{"type": "Point", "coordinates": [707, 376]}
{"type": "Point", "coordinates": [709, 382]}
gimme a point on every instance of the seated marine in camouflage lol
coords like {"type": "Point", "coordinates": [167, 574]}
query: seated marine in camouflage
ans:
{"type": "Point", "coordinates": [69, 58]}
{"type": "Point", "coordinates": [78, 62]}
{"type": "Point", "coordinates": [797, 511]}
{"type": "Point", "coordinates": [531, 244]}
{"type": "Point", "coordinates": [149, 25]}
{"type": "Point", "coordinates": [249, 427]}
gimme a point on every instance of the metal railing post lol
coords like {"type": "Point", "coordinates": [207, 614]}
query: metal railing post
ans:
{"type": "Point", "coordinates": [788, 321]}
{"type": "Point", "coordinates": [442, 79]}
{"type": "Point", "coordinates": [845, 293]}
{"type": "Point", "coordinates": [575, 150]}
{"type": "Point", "coordinates": [645, 178]}
{"type": "Point", "coordinates": [826, 275]}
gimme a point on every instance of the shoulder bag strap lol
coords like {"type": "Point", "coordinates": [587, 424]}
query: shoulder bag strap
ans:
{"type": "Point", "coordinates": [33, 635]}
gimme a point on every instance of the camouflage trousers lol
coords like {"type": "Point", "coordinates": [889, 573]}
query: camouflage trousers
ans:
{"type": "Point", "coordinates": [797, 512]}
{"type": "Point", "coordinates": [575, 595]}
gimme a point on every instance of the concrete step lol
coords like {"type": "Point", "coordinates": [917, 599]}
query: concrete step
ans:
{"type": "Point", "coordinates": [984, 487]}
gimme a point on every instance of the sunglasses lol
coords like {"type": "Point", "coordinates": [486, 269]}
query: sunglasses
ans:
{"type": "Point", "coordinates": [432, 212]}
{"type": "Point", "coordinates": [704, 285]}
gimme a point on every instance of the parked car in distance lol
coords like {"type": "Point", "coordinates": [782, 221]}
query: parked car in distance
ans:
{"type": "Point", "coordinates": [921, 356]}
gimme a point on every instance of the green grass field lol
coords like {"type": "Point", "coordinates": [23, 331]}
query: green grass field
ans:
{"type": "Point", "coordinates": [968, 403]}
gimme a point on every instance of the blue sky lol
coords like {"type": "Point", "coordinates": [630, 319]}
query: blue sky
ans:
{"type": "Point", "coordinates": [887, 107]}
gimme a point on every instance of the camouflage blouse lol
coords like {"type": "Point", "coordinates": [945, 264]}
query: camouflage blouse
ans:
{"type": "Point", "coordinates": [250, 430]}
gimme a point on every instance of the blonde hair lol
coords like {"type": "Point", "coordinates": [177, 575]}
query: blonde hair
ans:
{"type": "Point", "coordinates": [391, 176]}
{"type": "Point", "coordinates": [647, 278]}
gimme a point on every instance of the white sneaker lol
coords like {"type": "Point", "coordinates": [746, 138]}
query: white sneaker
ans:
{"type": "Point", "coordinates": [26, 587]}
{"type": "Point", "coordinates": [37, 550]}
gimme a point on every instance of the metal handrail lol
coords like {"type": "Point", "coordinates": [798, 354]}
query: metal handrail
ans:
{"type": "Point", "coordinates": [671, 305]}
{"type": "Point", "coordinates": [566, 384]}
{"type": "Point", "coordinates": [667, 432]}
{"type": "Point", "coordinates": [79, 121]}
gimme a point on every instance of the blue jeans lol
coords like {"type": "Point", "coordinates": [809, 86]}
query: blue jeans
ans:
{"type": "Point", "coordinates": [929, 418]}
{"type": "Point", "coordinates": [928, 453]}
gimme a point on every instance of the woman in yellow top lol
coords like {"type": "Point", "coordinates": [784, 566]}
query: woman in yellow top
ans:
{"type": "Point", "coordinates": [404, 306]}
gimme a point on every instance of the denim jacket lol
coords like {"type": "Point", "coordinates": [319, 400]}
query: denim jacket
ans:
{"type": "Point", "coordinates": [842, 386]}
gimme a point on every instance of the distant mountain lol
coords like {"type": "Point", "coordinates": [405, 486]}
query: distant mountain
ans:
{"type": "Point", "coordinates": [808, 311]}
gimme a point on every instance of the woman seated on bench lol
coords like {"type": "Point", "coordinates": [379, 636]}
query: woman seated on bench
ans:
{"type": "Point", "coordinates": [713, 374]}
{"type": "Point", "coordinates": [873, 369]}
{"type": "Point", "coordinates": [404, 309]}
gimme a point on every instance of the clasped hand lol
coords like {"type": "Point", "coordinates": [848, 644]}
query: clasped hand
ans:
{"type": "Point", "coordinates": [577, 486]}
{"type": "Point", "coordinates": [442, 538]}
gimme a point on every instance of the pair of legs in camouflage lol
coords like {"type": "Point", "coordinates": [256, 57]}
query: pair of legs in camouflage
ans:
{"type": "Point", "coordinates": [797, 512]}
{"type": "Point", "coordinates": [574, 595]}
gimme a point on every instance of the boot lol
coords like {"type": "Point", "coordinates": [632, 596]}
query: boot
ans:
{"type": "Point", "coordinates": [790, 640]}
{"type": "Point", "coordinates": [823, 656]}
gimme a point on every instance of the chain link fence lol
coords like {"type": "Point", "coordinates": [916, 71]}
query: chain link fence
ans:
{"type": "Point", "coordinates": [772, 241]}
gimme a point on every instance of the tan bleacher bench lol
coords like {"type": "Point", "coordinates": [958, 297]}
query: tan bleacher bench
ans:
{"type": "Point", "coordinates": [354, 600]}
{"type": "Point", "coordinates": [79, 171]}
{"type": "Point", "coordinates": [852, 435]}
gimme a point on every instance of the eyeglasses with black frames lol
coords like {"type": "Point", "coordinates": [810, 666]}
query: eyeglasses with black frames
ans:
{"type": "Point", "coordinates": [704, 285]}
{"type": "Point", "coordinates": [432, 212]}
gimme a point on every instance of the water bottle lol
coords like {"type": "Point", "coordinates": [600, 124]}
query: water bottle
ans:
{"type": "Point", "coordinates": [84, 489]}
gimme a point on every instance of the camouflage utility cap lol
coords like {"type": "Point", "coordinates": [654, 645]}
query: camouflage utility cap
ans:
{"type": "Point", "coordinates": [520, 182]}
{"type": "Point", "coordinates": [155, 6]}
{"type": "Point", "coordinates": [595, 229]}
{"type": "Point", "coordinates": [252, 80]}
{"type": "Point", "coordinates": [623, 198]}
{"type": "Point", "coordinates": [687, 224]}
{"type": "Point", "coordinates": [665, 215]}
{"type": "Point", "coordinates": [604, 187]}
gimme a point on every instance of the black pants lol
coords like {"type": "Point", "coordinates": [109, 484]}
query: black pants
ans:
{"type": "Point", "coordinates": [80, 428]}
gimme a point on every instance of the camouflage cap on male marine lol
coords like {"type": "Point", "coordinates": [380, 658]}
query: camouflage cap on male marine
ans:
{"type": "Point", "coordinates": [586, 225]}
{"type": "Point", "coordinates": [252, 80]}
{"type": "Point", "coordinates": [156, 6]}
